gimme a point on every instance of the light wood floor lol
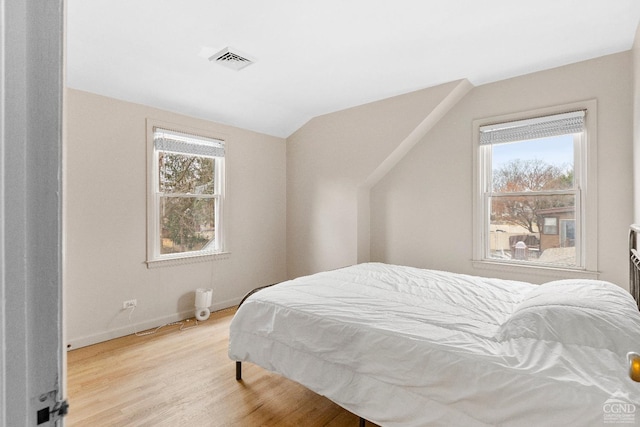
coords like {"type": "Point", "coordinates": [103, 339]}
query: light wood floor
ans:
{"type": "Point", "coordinates": [184, 378]}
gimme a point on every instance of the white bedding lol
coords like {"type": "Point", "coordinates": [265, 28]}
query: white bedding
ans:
{"type": "Point", "coordinates": [402, 346]}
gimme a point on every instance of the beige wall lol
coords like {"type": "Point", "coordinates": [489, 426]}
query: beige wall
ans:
{"type": "Point", "coordinates": [318, 176]}
{"type": "Point", "coordinates": [105, 221]}
{"type": "Point", "coordinates": [328, 159]}
{"type": "Point", "coordinates": [427, 198]}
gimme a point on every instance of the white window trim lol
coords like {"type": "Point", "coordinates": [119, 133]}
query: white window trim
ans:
{"type": "Point", "coordinates": [153, 259]}
{"type": "Point", "coordinates": [587, 203]}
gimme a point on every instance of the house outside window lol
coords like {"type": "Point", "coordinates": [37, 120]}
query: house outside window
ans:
{"type": "Point", "coordinates": [186, 195]}
{"type": "Point", "coordinates": [532, 177]}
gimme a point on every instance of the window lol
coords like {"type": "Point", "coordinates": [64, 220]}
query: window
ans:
{"type": "Point", "coordinates": [550, 225]}
{"type": "Point", "coordinates": [186, 195]}
{"type": "Point", "coordinates": [532, 177]}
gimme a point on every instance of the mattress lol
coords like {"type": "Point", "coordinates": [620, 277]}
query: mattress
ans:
{"type": "Point", "coordinates": [402, 346]}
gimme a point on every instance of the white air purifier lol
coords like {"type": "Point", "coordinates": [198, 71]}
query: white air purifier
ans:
{"type": "Point", "coordinates": [203, 301]}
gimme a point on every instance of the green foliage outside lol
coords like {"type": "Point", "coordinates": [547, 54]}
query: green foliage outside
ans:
{"type": "Point", "coordinates": [186, 213]}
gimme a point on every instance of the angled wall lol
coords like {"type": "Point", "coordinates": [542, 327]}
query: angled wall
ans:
{"type": "Point", "coordinates": [457, 93]}
{"type": "Point", "coordinates": [421, 212]}
{"type": "Point", "coordinates": [328, 159]}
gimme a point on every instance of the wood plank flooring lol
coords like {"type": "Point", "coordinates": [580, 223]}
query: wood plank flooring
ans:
{"type": "Point", "coordinates": [184, 378]}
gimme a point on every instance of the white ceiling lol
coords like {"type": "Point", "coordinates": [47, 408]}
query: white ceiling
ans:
{"type": "Point", "coordinates": [316, 57]}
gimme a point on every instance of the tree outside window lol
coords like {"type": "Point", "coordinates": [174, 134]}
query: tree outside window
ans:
{"type": "Point", "coordinates": [187, 194]}
{"type": "Point", "coordinates": [187, 202]}
{"type": "Point", "coordinates": [529, 170]}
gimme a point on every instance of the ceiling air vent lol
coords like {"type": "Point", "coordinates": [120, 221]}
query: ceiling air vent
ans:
{"type": "Point", "coordinates": [231, 59]}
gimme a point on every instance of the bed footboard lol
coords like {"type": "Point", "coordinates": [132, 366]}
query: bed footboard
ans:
{"type": "Point", "coordinates": [634, 263]}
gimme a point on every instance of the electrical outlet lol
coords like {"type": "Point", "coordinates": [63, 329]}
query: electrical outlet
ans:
{"type": "Point", "coordinates": [129, 303]}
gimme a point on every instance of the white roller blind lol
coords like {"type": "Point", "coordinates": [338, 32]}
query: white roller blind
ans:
{"type": "Point", "coordinates": [539, 127]}
{"type": "Point", "coordinates": [168, 140]}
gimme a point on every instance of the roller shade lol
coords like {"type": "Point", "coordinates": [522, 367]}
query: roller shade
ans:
{"type": "Point", "coordinates": [540, 127]}
{"type": "Point", "coordinates": [177, 142]}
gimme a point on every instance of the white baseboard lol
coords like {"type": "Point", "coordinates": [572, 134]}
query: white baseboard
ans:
{"type": "Point", "coordinates": [143, 325]}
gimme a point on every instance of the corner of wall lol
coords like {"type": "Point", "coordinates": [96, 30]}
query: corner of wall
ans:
{"type": "Point", "coordinates": [457, 93]}
{"type": "Point", "coordinates": [449, 101]}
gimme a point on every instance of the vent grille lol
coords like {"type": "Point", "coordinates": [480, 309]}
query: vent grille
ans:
{"type": "Point", "coordinates": [230, 59]}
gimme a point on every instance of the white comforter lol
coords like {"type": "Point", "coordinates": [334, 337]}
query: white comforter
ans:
{"type": "Point", "coordinates": [402, 346]}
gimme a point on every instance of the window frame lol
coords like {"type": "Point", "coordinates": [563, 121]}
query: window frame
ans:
{"type": "Point", "coordinates": [153, 256]}
{"type": "Point", "coordinates": [554, 225]}
{"type": "Point", "coordinates": [585, 173]}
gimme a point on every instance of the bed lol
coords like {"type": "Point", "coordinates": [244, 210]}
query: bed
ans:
{"type": "Point", "coordinates": [403, 346]}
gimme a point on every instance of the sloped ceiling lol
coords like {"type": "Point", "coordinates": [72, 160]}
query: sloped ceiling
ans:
{"type": "Point", "coordinates": [316, 57]}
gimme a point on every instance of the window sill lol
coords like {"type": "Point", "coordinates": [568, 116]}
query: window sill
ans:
{"type": "Point", "coordinates": [187, 259]}
{"type": "Point", "coordinates": [539, 270]}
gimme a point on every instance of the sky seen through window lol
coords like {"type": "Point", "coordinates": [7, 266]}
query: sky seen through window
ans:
{"type": "Point", "coordinates": [557, 151]}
